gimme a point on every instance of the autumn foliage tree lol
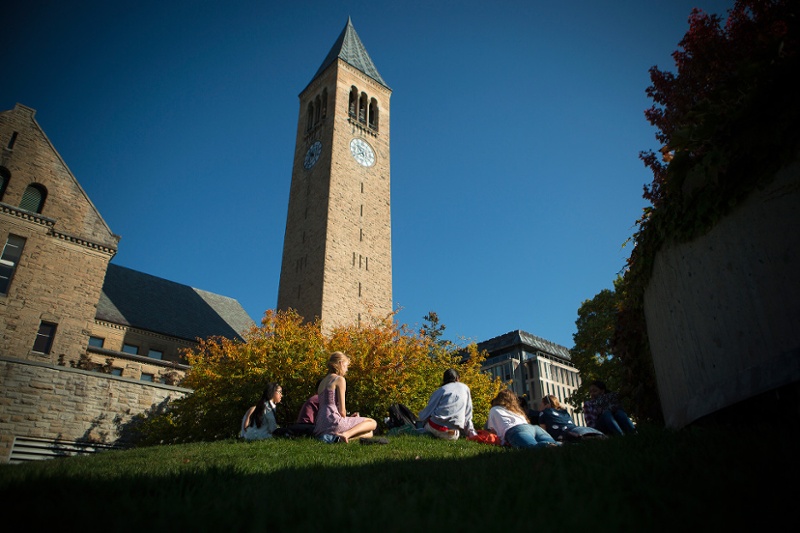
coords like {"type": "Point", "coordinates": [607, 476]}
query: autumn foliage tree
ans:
{"type": "Point", "coordinates": [388, 364]}
{"type": "Point", "coordinates": [727, 121]}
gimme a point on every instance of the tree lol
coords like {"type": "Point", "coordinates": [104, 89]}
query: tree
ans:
{"type": "Point", "coordinates": [433, 330]}
{"type": "Point", "coordinates": [727, 121]}
{"type": "Point", "coordinates": [388, 364]}
{"type": "Point", "coordinates": [592, 352]}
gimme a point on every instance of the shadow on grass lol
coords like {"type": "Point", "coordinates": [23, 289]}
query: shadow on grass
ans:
{"type": "Point", "coordinates": [655, 481]}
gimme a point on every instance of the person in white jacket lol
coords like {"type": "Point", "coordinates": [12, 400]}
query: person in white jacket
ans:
{"type": "Point", "coordinates": [511, 424]}
{"type": "Point", "coordinates": [449, 411]}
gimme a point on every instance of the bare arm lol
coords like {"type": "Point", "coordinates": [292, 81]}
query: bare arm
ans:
{"type": "Point", "coordinates": [246, 418]}
{"type": "Point", "coordinates": [341, 386]}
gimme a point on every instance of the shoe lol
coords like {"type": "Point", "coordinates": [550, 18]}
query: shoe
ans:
{"type": "Point", "coordinates": [374, 440]}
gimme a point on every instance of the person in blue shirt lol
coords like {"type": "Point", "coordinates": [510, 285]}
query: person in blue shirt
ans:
{"type": "Point", "coordinates": [559, 424]}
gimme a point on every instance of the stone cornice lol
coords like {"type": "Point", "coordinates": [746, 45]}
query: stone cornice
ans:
{"type": "Point", "coordinates": [138, 358]}
{"type": "Point", "coordinates": [50, 223]}
{"type": "Point", "coordinates": [125, 327]}
{"type": "Point", "coordinates": [36, 218]}
{"type": "Point", "coordinates": [83, 242]}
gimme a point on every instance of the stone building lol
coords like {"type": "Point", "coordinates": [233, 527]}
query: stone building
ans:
{"type": "Point", "coordinates": [337, 255]}
{"type": "Point", "coordinates": [534, 366]}
{"type": "Point", "coordinates": [85, 344]}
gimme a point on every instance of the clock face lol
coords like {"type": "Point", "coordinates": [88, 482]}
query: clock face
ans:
{"type": "Point", "coordinates": [362, 152]}
{"type": "Point", "coordinates": [312, 155]}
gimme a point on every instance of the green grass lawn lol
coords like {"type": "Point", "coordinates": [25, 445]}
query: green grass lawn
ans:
{"type": "Point", "coordinates": [655, 481]}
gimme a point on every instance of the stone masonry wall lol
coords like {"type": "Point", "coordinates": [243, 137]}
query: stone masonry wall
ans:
{"type": "Point", "coordinates": [54, 402]}
{"type": "Point", "coordinates": [337, 256]}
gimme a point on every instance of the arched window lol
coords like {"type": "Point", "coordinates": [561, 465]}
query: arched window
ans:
{"type": "Point", "coordinates": [310, 117]}
{"type": "Point", "coordinates": [373, 114]}
{"type": "Point", "coordinates": [324, 103]}
{"type": "Point", "coordinates": [5, 176]}
{"type": "Point", "coordinates": [352, 106]}
{"type": "Point", "coordinates": [362, 108]}
{"type": "Point", "coordinates": [317, 109]}
{"type": "Point", "coordinates": [33, 198]}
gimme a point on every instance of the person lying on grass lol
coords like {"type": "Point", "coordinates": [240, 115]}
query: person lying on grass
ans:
{"type": "Point", "coordinates": [508, 420]}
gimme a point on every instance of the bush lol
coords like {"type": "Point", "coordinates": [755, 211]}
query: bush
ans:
{"type": "Point", "coordinates": [389, 364]}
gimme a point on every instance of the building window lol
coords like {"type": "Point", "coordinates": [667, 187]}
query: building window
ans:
{"type": "Point", "coordinates": [97, 342]}
{"type": "Point", "coordinates": [33, 198]}
{"type": "Point", "coordinates": [352, 106]}
{"type": "Point", "coordinates": [44, 338]}
{"type": "Point", "coordinates": [9, 260]}
{"type": "Point", "coordinates": [116, 371]}
{"type": "Point", "coordinates": [12, 140]}
{"type": "Point", "coordinates": [147, 377]}
{"type": "Point", "coordinates": [155, 354]}
{"type": "Point", "coordinates": [130, 348]}
{"type": "Point", "coordinates": [362, 108]}
{"type": "Point", "coordinates": [373, 114]}
{"type": "Point", "coordinates": [310, 115]}
{"type": "Point", "coordinates": [5, 177]}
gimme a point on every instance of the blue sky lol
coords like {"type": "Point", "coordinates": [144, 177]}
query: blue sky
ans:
{"type": "Point", "coordinates": [516, 129]}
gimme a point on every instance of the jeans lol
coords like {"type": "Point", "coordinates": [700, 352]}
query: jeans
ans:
{"type": "Point", "coordinates": [528, 436]}
{"type": "Point", "coordinates": [615, 423]}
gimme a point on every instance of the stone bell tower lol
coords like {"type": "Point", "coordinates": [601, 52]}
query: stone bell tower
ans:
{"type": "Point", "coordinates": [337, 251]}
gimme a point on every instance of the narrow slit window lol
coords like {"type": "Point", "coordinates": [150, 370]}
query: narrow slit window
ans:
{"type": "Point", "coordinates": [9, 260]}
{"type": "Point", "coordinates": [44, 338]}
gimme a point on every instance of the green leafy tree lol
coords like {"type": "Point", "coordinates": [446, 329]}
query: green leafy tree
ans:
{"type": "Point", "coordinates": [592, 352]}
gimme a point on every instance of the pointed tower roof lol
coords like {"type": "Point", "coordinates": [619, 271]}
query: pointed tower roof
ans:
{"type": "Point", "coordinates": [348, 48]}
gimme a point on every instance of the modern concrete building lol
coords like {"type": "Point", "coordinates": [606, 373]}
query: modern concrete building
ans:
{"type": "Point", "coordinates": [534, 367]}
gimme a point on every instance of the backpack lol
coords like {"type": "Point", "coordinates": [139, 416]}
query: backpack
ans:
{"type": "Point", "coordinates": [400, 415]}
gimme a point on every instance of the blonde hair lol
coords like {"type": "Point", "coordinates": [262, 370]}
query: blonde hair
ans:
{"type": "Point", "coordinates": [508, 400]}
{"type": "Point", "coordinates": [552, 401]}
{"type": "Point", "coordinates": [335, 362]}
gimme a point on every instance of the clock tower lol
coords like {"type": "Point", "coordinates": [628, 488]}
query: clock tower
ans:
{"type": "Point", "coordinates": [337, 250]}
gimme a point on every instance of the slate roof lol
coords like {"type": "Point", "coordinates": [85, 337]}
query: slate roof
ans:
{"type": "Point", "coordinates": [155, 304]}
{"type": "Point", "coordinates": [348, 48]}
{"type": "Point", "coordinates": [519, 337]}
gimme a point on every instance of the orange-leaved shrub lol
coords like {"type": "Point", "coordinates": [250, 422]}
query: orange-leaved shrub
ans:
{"type": "Point", "coordinates": [389, 364]}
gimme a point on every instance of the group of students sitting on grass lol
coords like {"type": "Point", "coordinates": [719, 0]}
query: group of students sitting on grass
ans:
{"type": "Point", "coordinates": [448, 415]}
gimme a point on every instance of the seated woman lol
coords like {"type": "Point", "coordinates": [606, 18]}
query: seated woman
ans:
{"type": "Point", "coordinates": [508, 420]}
{"type": "Point", "coordinates": [604, 411]}
{"type": "Point", "coordinates": [259, 421]}
{"type": "Point", "coordinates": [449, 411]}
{"type": "Point", "coordinates": [332, 416]}
{"type": "Point", "coordinates": [559, 424]}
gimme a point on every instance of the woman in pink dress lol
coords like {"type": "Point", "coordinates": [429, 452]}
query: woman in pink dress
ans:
{"type": "Point", "coordinates": [332, 415]}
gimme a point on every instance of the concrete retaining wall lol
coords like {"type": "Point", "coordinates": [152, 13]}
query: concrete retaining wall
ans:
{"type": "Point", "coordinates": [723, 311]}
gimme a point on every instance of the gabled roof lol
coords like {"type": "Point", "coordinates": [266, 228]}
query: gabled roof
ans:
{"type": "Point", "coordinates": [348, 48]}
{"type": "Point", "coordinates": [155, 304]}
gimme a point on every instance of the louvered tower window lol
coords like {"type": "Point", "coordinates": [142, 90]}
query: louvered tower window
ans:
{"type": "Point", "coordinates": [33, 198]}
